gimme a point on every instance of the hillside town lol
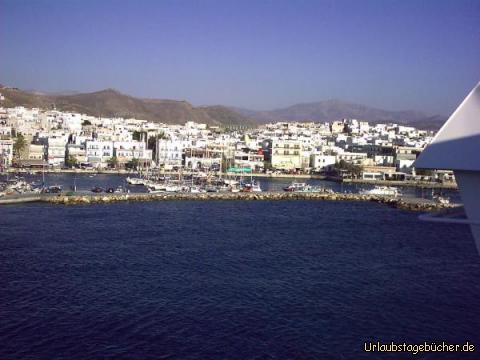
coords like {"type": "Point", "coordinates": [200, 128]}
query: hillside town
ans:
{"type": "Point", "coordinates": [32, 138]}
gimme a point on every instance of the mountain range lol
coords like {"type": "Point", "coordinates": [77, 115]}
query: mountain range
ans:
{"type": "Point", "coordinates": [112, 103]}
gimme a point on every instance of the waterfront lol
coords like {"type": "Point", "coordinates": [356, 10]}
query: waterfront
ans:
{"type": "Point", "coordinates": [231, 280]}
{"type": "Point", "coordinates": [85, 182]}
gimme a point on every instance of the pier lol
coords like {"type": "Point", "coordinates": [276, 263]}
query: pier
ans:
{"type": "Point", "coordinates": [414, 204]}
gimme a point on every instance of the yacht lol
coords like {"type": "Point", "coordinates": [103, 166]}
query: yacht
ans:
{"type": "Point", "coordinates": [382, 190]}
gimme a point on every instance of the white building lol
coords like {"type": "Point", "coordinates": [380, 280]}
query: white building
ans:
{"type": "Point", "coordinates": [98, 152]}
{"type": "Point", "coordinates": [126, 151]}
{"type": "Point", "coordinates": [169, 152]}
{"type": "Point", "coordinates": [321, 162]}
{"type": "Point", "coordinates": [56, 147]}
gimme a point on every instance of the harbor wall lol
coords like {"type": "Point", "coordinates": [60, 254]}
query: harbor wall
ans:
{"type": "Point", "coordinates": [407, 204]}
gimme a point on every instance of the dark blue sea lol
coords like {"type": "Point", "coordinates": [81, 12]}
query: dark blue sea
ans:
{"type": "Point", "coordinates": [232, 280]}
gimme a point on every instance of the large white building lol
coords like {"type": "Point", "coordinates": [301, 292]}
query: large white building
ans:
{"type": "Point", "coordinates": [169, 152]}
{"type": "Point", "coordinates": [98, 152]}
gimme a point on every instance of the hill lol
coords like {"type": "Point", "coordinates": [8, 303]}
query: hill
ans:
{"type": "Point", "coordinates": [112, 103]}
{"type": "Point", "coordinates": [330, 110]}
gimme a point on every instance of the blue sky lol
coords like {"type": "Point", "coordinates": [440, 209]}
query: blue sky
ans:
{"type": "Point", "coordinates": [421, 55]}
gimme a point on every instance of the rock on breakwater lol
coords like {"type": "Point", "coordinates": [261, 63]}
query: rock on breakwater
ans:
{"type": "Point", "coordinates": [407, 204]}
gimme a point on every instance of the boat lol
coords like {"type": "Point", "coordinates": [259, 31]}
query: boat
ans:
{"type": "Point", "coordinates": [294, 186]}
{"type": "Point", "coordinates": [230, 182]}
{"type": "Point", "coordinates": [120, 189]}
{"type": "Point", "coordinates": [382, 191]}
{"type": "Point", "coordinates": [135, 181]}
{"type": "Point", "coordinates": [97, 189]}
{"type": "Point", "coordinates": [212, 189]}
{"type": "Point", "coordinates": [156, 186]}
{"type": "Point", "coordinates": [173, 188]}
{"type": "Point", "coordinates": [196, 189]}
{"type": "Point", "coordinates": [441, 199]}
{"type": "Point", "coordinates": [251, 187]}
{"type": "Point", "coordinates": [54, 189]}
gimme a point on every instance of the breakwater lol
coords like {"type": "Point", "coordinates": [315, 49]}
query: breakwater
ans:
{"type": "Point", "coordinates": [414, 204]}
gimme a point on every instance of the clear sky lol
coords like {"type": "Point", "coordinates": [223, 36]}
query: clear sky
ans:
{"type": "Point", "coordinates": [421, 55]}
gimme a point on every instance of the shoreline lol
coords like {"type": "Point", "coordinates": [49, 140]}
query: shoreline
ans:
{"type": "Point", "coordinates": [416, 184]}
{"type": "Point", "coordinates": [412, 204]}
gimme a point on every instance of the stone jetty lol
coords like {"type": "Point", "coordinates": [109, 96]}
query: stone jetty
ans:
{"type": "Point", "coordinates": [401, 203]}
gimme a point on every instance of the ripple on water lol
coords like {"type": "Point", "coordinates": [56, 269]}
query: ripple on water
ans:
{"type": "Point", "coordinates": [230, 280]}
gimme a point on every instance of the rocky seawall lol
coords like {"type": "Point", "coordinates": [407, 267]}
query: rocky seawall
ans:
{"type": "Point", "coordinates": [407, 204]}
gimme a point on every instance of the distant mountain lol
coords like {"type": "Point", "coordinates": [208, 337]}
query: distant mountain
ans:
{"type": "Point", "coordinates": [330, 110]}
{"type": "Point", "coordinates": [112, 103]}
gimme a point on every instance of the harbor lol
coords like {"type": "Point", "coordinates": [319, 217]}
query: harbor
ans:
{"type": "Point", "coordinates": [109, 188]}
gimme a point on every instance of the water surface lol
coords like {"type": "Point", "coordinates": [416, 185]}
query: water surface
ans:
{"type": "Point", "coordinates": [236, 280]}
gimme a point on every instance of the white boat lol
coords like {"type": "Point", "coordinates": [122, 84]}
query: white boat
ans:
{"type": "Point", "coordinates": [230, 182]}
{"type": "Point", "coordinates": [173, 188]}
{"type": "Point", "coordinates": [156, 186]}
{"type": "Point", "coordinates": [251, 187]}
{"type": "Point", "coordinates": [196, 190]}
{"type": "Point", "coordinates": [382, 191]}
{"type": "Point", "coordinates": [441, 199]}
{"type": "Point", "coordinates": [135, 181]}
{"type": "Point", "coordinates": [295, 186]}
{"type": "Point", "coordinates": [151, 191]}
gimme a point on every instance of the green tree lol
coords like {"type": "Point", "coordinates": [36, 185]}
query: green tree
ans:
{"type": "Point", "coordinates": [113, 162]}
{"type": "Point", "coordinates": [133, 164]}
{"type": "Point", "coordinates": [424, 172]}
{"type": "Point", "coordinates": [136, 135]}
{"type": "Point", "coordinates": [354, 170]}
{"type": "Point", "coordinates": [71, 161]}
{"type": "Point", "coordinates": [152, 142]}
{"type": "Point", "coordinates": [19, 145]}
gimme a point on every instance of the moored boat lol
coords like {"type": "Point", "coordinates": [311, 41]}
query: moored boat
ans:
{"type": "Point", "coordinates": [382, 190]}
